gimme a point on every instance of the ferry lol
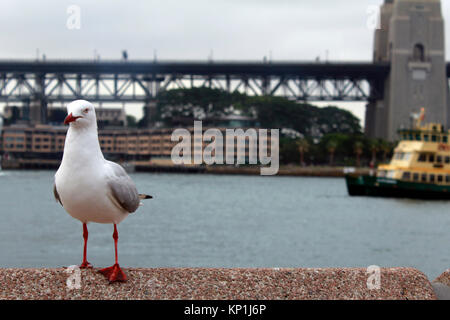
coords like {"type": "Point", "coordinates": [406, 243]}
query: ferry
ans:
{"type": "Point", "coordinates": [419, 168]}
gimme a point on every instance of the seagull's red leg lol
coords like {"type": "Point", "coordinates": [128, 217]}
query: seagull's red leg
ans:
{"type": "Point", "coordinates": [85, 263]}
{"type": "Point", "coordinates": [114, 273]}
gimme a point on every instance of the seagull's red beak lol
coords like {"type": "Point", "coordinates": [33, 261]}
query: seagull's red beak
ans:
{"type": "Point", "coordinates": [70, 118]}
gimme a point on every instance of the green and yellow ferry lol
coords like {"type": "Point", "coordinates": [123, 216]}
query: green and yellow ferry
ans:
{"type": "Point", "coordinates": [419, 168]}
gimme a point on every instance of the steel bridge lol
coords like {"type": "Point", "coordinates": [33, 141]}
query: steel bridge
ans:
{"type": "Point", "coordinates": [141, 81]}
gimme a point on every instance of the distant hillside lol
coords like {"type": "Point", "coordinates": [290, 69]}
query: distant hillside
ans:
{"type": "Point", "coordinates": [269, 112]}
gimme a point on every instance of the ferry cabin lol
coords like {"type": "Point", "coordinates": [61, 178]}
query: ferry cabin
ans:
{"type": "Point", "coordinates": [422, 156]}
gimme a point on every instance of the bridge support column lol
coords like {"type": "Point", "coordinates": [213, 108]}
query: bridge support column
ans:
{"type": "Point", "coordinates": [38, 104]}
{"type": "Point", "coordinates": [411, 38]}
{"type": "Point", "coordinates": [38, 111]}
{"type": "Point", "coordinates": [369, 125]}
{"type": "Point", "coordinates": [149, 114]}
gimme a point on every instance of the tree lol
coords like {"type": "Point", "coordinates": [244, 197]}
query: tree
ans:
{"type": "Point", "coordinates": [182, 106]}
{"type": "Point", "coordinates": [131, 121]}
{"type": "Point", "coordinates": [374, 146]}
{"type": "Point", "coordinates": [331, 148]}
{"type": "Point", "coordinates": [303, 147]}
{"type": "Point", "coordinates": [386, 147]}
{"type": "Point", "coordinates": [278, 112]}
{"type": "Point", "coordinates": [358, 148]}
{"type": "Point", "coordinates": [288, 151]}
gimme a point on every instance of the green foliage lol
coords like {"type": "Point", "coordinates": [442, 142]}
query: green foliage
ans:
{"type": "Point", "coordinates": [289, 152]}
{"type": "Point", "coordinates": [131, 121]}
{"type": "Point", "coordinates": [339, 148]}
{"type": "Point", "coordinates": [358, 147]}
{"type": "Point", "coordinates": [326, 131]}
{"type": "Point", "coordinates": [185, 105]}
{"type": "Point", "coordinates": [278, 112]}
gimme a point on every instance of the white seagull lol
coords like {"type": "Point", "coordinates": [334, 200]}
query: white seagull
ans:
{"type": "Point", "coordinates": [89, 187]}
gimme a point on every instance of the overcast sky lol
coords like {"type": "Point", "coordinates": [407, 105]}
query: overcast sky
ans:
{"type": "Point", "coordinates": [194, 29]}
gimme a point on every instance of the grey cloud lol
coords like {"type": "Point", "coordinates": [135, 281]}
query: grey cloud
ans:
{"type": "Point", "coordinates": [292, 30]}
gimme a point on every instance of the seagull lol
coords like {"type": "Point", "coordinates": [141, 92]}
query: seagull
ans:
{"type": "Point", "coordinates": [89, 187]}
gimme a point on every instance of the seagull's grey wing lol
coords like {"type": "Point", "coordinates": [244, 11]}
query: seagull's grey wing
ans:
{"type": "Point", "coordinates": [55, 193]}
{"type": "Point", "coordinates": [123, 191]}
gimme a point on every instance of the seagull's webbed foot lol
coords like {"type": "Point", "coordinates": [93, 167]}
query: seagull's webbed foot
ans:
{"type": "Point", "coordinates": [86, 265]}
{"type": "Point", "coordinates": [114, 273]}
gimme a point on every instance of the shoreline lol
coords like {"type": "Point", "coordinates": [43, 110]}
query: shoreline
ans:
{"type": "Point", "coordinates": [294, 171]}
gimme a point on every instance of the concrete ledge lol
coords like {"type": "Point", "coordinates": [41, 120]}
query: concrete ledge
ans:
{"type": "Point", "coordinates": [444, 278]}
{"type": "Point", "coordinates": [200, 283]}
{"type": "Point", "coordinates": [441, 286]}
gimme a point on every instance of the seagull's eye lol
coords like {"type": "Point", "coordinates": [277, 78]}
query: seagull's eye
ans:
{"type": "Point", "coordinates": [86, 110]}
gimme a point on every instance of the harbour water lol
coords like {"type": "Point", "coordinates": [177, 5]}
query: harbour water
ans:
{"type": "Point", "coordinates": [200, 220]}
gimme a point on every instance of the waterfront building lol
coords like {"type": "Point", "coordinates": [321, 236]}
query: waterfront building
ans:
{"type": "Point", "coordinates": [37, 146]}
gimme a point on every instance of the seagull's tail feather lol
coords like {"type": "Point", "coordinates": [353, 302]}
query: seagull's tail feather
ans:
{"type": "Point", "coordinates": [144, 196]}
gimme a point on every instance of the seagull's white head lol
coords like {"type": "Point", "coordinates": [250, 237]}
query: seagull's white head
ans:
{"type": "Point", "coordinates": [80, 113]}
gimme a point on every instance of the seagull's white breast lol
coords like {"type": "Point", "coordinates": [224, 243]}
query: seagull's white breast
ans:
{"type": "Point", "coordinates": [82, 178]}
{"type": "Point", "coordinates": [85, 195]}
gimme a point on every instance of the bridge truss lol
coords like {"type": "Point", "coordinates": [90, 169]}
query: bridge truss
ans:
{"type": "Point", "coordinates": [127, 81]}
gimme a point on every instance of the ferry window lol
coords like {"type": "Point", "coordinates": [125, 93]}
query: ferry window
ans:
{"type": "Point", "coordinates": [439, 159]}
{"type": "Point", "coordinates": [447, 179]}
{"type": "Point", "coordinates": [447, 159]}
{"type": "Point", "coordinates": [431, 177]}
{"type": "Point", "coordinates": [426, 137]}
{"type": "Point", "coordinates": [390, 174]}
{"type": "Point", "coordinates": [423, 157]}
{"type": "Point", "coordinates": [418, 137]}
{"type": "Point", "coordinates": [444, 139]}
{"type": "Point", "coordinates": [406, 175]}
{"type": "Point", "coordinates": [407, 156]}
{"type": "Point", "coordinates": [411, 137]}
{"type": "Point", "coordinates": [423, 178]}
{"type": "Point", "coordinates": [439, 178]}
{"type": "Point", "coordinates": [433, 138]}
{"type": "Point", "coordinates": [431, 158]}
{"type": "Point", "coordinates": [416, 177]}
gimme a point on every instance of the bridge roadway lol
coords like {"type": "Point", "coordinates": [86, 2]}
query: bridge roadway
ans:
{"type": "Point", "coordinates": [356, 70]}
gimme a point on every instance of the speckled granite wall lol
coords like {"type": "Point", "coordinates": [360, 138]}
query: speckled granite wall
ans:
{"type": "Point", "coordinates": [199, 283]}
